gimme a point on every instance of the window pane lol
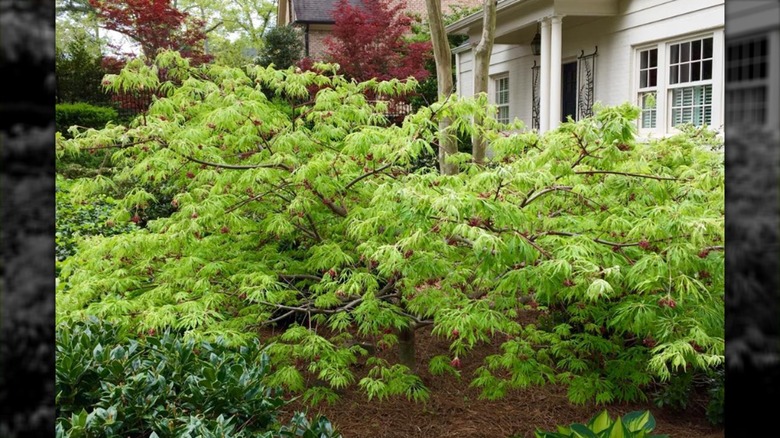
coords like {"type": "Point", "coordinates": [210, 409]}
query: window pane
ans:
{"type": "Point", "coordinates": [674, 74]}
{"type": "Point", "coordinates": [692, 105]}
{"type": "Point", "coordinates": [696, 50]}
{"type": "Point", "coordinates": [642, 79]}
{"type": "Point", "coordinates": [707, 48]}
{"type": "Point", "coordinates": [675, 54]}
{"type": "Point", "coordinates": [654, 58]}
{"type": "Point", "coordinates": [685, 73]}
{"type": "Point", "coordinates": [652, 81]}
{"type": "Point", "coordinates": [643, 59]}
{"type": "Point", "coordinates": [696, 71]}
{"type": "Point", "coordinates": [706, 72]}
{"type": "Point", "coordinates": [762, 52]}
{"type": "Point", "coordinates": [685, 52]}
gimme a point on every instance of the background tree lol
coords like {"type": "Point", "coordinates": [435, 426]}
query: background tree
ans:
{"type": "Point", "coordinates": [80, 71]}
{"type": "Point", "coordinates": [482, 53]}
{"type": "Point", "coordinates": [443, 57]}
{"type": "Point", "coordinates": [155, 25]}
{"type": "Point", "coordinates": [234, 30]}
{"type": "Point", "coordinates": [282, 47]}
{"type": "Point", "coordinates": [370, 41]}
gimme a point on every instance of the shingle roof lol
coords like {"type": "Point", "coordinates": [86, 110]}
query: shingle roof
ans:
{"type": "Point", "coordinates": [316, 11]}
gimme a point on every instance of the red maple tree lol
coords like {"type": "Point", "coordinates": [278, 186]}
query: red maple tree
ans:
{"type": "Point", "coordinates": [369, 40]}
{"type": "Point", "coordinates": [155, 25]}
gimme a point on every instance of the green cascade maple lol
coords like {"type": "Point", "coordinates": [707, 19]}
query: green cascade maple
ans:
{"type": "Point", "coordinates": [297, 205]}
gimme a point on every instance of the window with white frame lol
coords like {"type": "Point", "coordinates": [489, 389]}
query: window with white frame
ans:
{"type": "Point", "coordinates": [746, 76]}
{"type": "Point", "coordinates": [648, 87]}
{"type": "Point", "coordinates": [502, 98]}
{"type": "Point", "coordinates": [675, 83]}
{"type": "Point", "coordinates": [690, 82]}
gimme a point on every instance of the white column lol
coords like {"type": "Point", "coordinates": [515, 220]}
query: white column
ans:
{"type": "Point", "coordinates": [555, 72]}
{"type": "Point", "coordinates": [718, 110]}
{"type": "Point", "coordinates": [544, 79]}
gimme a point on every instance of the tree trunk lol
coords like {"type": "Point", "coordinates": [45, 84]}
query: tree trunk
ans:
{"type": "Point", "coordinates": [406, 351]}
{"type": "Point", "coordinates": [481, 70]}
{"type": "Point", "coordinates": [443, 57]}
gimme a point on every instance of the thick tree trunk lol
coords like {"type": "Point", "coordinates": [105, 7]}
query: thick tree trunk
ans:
{"type": "Point", "coordinates": [481, 70]}
{"type": "Point", "coordinates": [406, 350]}
{"type": "Point", "coordinates": [443, 57]}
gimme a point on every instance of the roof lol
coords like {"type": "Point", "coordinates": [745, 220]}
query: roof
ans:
{"type": "Point", "coordinates": [316, 11]}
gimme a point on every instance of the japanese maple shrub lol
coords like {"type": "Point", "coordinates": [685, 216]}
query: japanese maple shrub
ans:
{"type": "Point", "coordinates": [305, 215]}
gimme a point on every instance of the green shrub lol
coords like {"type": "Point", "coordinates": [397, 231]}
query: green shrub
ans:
{"type": "Point", "coordinates": [635, 424]}
{"type": "Point", "coordinates": [717, 397]}
{"type": "Point", "coordinates": [110, 385]}
{"type": "Point", "coordinates": [83, 115]}
{"type": "Point", "coordinates": [283, 47]}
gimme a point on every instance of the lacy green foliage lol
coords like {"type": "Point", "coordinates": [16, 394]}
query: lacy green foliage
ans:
{"type": "Point", "coordinates": [314, 214]}
{"type": "Point", "coordinates": [635, 424]}
{"type": "Point", "coordinates": [76, 222]}
{"type": "Point", "coordinates": [110, 385]}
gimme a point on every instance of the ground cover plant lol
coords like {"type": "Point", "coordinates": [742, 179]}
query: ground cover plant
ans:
{"type": "Point", "coordinates": [302, 214]}
{"type": "Point", "coordinates": [634, 424]}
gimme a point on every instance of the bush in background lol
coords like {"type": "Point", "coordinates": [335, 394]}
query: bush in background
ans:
{"type": "Point", "coordinates": [82, 114]}
{"type": "Point", "coordinates": [282, 48]}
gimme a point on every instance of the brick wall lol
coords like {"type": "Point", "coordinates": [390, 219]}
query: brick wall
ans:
{"type": "Point", "coordinates": [317, 41]}
{"type": "Point", "coordinates": [418, 6]}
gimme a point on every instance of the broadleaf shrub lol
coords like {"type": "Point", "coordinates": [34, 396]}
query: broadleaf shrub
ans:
{"type": "Point", "coordinates": [112, 384]}
{"type": "Point", "coordinates": [317, 220]}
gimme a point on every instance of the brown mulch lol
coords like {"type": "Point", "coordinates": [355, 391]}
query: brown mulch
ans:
{"type": "Point", "coordinates": [455, 410]}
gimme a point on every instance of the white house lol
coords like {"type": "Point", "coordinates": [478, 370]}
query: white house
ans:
{"type": "Point", "coordinates": [666, 56]}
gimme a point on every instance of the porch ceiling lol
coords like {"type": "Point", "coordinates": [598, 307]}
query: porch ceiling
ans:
{"type": "Point", "coordinates": [516, 19]}
{"type": "Point", "coordinates": [525, 34]}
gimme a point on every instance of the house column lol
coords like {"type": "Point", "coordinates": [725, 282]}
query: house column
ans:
{"type": "Point", "coordinates": [544, 78]}
{"type": "Point", "coordinates": [555, 72]}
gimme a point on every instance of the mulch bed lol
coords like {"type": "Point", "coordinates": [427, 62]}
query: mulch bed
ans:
{"type": "Point", "coordinates": [455, 410]}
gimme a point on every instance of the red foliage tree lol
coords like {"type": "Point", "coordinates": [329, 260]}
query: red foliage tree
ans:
{"type": "Point", "coordinates": [155, 25]}
{"type": "Point", "coordinates": [370, 41]}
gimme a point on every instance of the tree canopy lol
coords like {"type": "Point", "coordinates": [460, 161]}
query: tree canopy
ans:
{"type": "Point", "coordinates": [298, 205]}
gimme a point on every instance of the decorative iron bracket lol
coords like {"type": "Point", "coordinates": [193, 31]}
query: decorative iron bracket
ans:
{"type": "Point", "coordinates": [535, 121]}
{"type": "Point", "coordinates": [587, 74]}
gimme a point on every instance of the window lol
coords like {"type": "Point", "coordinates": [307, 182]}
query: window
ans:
{"type": "Point", "coordinates": [502, 99]}
{"type": "Point", "coordinates": [746, 75]}
{"type": "Point", "coordinates": [675, 83]}
{"type": "Point", "coordinates": [648, 85]}
{"type": "Point", "coordinates": [690, 79]}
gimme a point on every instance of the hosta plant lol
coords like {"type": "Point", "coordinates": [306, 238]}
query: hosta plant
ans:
{"type": "Point", "coordinates": [635, 424]}
{"type": "Point", "coordinates": [308, 216]}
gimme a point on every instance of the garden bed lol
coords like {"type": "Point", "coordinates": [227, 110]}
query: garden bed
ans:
{"type": "Point", "coordinates": [455, 410]}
